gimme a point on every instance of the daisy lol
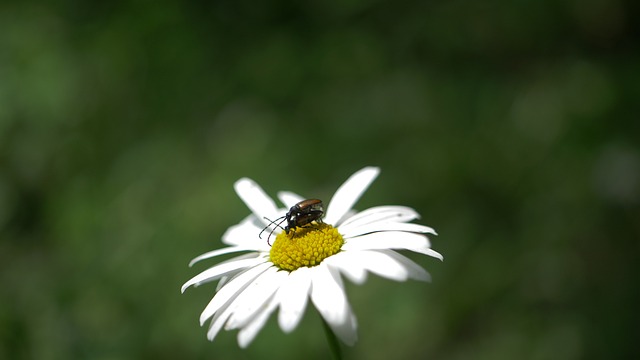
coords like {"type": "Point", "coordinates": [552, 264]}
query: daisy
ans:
{"type": "Point", "coordinates": [307, 262]}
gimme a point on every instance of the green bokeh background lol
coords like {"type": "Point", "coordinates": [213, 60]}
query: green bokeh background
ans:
{"type": "Point", "coordinates": [511, 126]}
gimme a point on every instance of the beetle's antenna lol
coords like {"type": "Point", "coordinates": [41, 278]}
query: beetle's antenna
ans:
{"type": "Point", "coordinates": [271, 222]}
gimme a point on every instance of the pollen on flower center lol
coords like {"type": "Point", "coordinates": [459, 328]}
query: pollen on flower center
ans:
{"type": "Point", "coordinates": [306, 246]}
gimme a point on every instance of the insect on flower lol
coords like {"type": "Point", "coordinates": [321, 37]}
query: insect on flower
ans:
{"type": "Point", "coordinates": [299, 215]}
{"type": "Point", "coordinates": [308, 267]}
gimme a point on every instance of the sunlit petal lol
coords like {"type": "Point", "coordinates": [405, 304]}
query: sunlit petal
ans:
{"type": "Point", "coordinates": [349, 193]}
{"type": "Point", "coordinates": [292, 296]}
{"type": "Point", "coordinates": [414, 270]}
{"type": "Point", "coordinates": [231, 290]}
{"type": "Point", "coordinates": [223, 280]}
{"type": "Point", "coordinates": [392, 240]}
{"type": "Point", "coordinates": [352, 231]}
{"type": "Point", "coordinates": [382, 265]}
{"type": "Point", "coordinates": [328, 296]}
{"type": "Point", "coordinates": [347, 332]}
{"type": "Point", "coordinates": [256, 199]}
{"type": "Point", "coordinates": [380, 214]}
{"type": "Point", "coordinates": [249, 332]}
{"type": "Point", "coordinates": [243, 233]}
{"type": "Point", "coordinates": [352, 270]}
{"type": "Point", "coordinates": [214, 253]}
{"type": "Point", "coordinates": [219, 319]}
{"type": "Point", "coordinates": [218, 271]}
{"type": "Point", "coordinates": [254, 296]}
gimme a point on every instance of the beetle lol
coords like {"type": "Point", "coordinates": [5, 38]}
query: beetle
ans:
{"type": "Point", "coordinates": [299, 215]}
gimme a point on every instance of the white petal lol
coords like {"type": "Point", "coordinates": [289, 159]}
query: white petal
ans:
{"type": "Point", "coordinates": [231, 290]}
{"type": "Point", "coordinates": [219, 319]}
{"type": "Point", "coordinates": [292, 296]}
{"type": "Point", "coordinates": [217, 252]}
{"type": "Point", "coordinates": [246, 234]}
{"type": "Point", "coordinates": [382, 265]}
{"type": "Point", "coordinates": [386, 263]}
{"type": "Point", "coordinates": [392, 213]}
{"type": "Point", "coordinates": [432, 253]}
{"type": "Point", "coordinates": [352, 231]}
{"type": "Point", "coordinates": [215, 272]}
{"type": "Point", "coordinates": [348, 193]}
{"type": "Point", "coordinates": [256, 199]}
{"type": "Point", "coordinates": [249, 332]}
{"type": "Point", "coordinates": [328, 295]}
{"type": "Point", "coordinates": [255, 296]}
{"type": "Point", "coordinates": [391, 240]}
{"type": "Point", "coordinates": [348, 331]}
{"type": "Point", "coordinates": [352, 270]}
{"type": "Point", "coordinates": [223, 280]}
{"type": "Point", "coordinates": [289, 199]}
{"type": "Point", "coordinates": [414, 270]}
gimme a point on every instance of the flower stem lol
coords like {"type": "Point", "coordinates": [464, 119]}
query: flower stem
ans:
{"type": "Point", "coordinates": [334, 345]}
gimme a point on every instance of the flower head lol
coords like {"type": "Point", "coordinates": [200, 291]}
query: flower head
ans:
{"type": "Point", "coordinates": [306, 262]}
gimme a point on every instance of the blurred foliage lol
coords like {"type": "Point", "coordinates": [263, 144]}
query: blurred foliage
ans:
{"type": "Point", "coordinates": [512, 126]}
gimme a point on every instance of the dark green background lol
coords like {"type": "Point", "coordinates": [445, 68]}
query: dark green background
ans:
{"type": "Point", "coordinates": [511, 126]}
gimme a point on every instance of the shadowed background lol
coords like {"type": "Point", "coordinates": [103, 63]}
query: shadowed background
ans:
{"type": "Point", "coordinates": [511, 126]}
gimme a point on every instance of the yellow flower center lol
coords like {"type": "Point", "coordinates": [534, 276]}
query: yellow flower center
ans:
{"type": "Point", "coordinates": [306, 246]}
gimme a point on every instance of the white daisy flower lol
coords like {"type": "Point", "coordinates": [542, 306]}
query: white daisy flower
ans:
{"type": "Point", "coordinates": [307, 262]}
